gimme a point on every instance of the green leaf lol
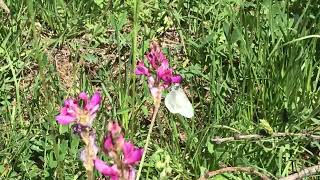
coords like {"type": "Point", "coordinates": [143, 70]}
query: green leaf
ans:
{"type": "Point", "coordinates": [99, 3]}
{"type": "Point", "coordinates": [63, 129]}
{"type": "Point", "coordinates": [74, 148]}
{"type": "Point", "coordinates": [210, 147]}
{"type": "Point", "coordinates": [90, 58]}
{"type": "Point", "coordinates": [220, 177]}
{"type": "Point", "coordinates": [236, 35]}
{"type": "Point", "coordinates": [123, 111]}
{"type": "Point", "coordinates": [266, 126]}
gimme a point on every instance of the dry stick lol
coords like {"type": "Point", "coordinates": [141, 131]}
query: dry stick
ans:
{"type": "Point", "coordinates": [249, 170]}
{"type": "Point", "coordinates": [304, 173]}
{"type": "Point", "coordinates": [257, 137]}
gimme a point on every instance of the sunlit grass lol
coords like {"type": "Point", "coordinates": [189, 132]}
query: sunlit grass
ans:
{"type": "Point", "coordinates": [242, 62]}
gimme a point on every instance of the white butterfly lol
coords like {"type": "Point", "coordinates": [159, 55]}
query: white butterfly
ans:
{"type": "Point", "coordinates": [177, 102]}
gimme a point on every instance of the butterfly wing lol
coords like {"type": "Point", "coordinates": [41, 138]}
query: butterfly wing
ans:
{"type": "Point", "coordinates": [185, 106]}
{"type": "Point", "coordinates": [177, 102]}
{"type": "Point", "coordinates": [171, 102]}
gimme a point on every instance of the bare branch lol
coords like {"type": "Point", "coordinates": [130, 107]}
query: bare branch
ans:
{"type": "Point", "coordinates": [303, 173]}
{"type": "Point", "coordinates": [249, 170]}
{"type": "Point", "coordinates": [258, 137]}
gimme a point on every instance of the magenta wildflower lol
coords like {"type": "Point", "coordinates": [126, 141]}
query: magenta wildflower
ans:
{"type": "Point", "coordinates": [160, 75]}
{"type": "Point", "coordinates": [124, 154]}
{"type": "Point", "coordinates": [114, 128]}
{"type": "Point", "coordinates": [68, 113]}
{"type": "Point", "coordinates": [155, 56]}
{"type": "Point", "coordinates": [91, 105]}
{"type": "Point", "coordinates": [114, 139]}
{"type": "Point", "coordinates": [142, 69]}
{"type": "Point", "coordinates": [72, 112]}
{"type": "Point", "coordinates": [112, 143]}
{"type": "Point", "coordinates": [130, 174]}
{"type": "Point", "coordinates": [106, 170]}
{"type": "Point", "coordinates": [132, 155]}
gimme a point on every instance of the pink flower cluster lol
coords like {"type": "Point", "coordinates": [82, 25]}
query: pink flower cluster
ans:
{"type": "Point", "coordinates": [124, 154]}
{"type": "Point", "coordinates": [73, 112]}
{"type": "Point", "coordinates": [160, 75]}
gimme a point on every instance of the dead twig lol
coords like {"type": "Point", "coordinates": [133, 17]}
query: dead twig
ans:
{"type": "Point", "coordinates": [303, 173]}
{"type": "Point", "coordinates": [237, 137]}
{"type": "Point", "coordinates": [249, 170]}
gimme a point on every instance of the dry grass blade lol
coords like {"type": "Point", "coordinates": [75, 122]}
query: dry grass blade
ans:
{"type": "Point", "coordinates": [4, 7]}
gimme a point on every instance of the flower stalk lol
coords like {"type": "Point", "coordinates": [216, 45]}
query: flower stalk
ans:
{"type": "Point", "coordinates": [157, 102]}
{"type": "Point", "coordinates": [89, 153]}
{"type": "Point", "coordinates": [82, 117]}
{"type": "Point", "coordinates": [160, 77]}
{"type": "Point", "coordinates": [123, 153]}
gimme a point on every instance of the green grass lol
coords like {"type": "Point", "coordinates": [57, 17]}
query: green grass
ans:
{"type": "Point", "coordinates": [242, 62]}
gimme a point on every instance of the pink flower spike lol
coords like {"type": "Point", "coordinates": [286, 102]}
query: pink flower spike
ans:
{"type": "Point", "coordinates": [73, 112]}
{"type": "Point", "coordinates": [63, 111]}
{"type": "Point", "coordinates": [132, 155]}
{"type": "Point", "coordinates": [68, 113]}
{"type": "Point", "coordinates": [132, 174]}
{"type": "Point", "coordinates": [160, 75]}
{"type": "Point", "coordinates": [71, 107]}
{"type": "Point", "coordinates": [151, 82]}
{"type": "Point", "coordinates": [141, 69]}
{"type": "Point", "coordinates": [114, 128]}
{"type": "Point", "coordinates": [65, 119]}
{"type": "Point", "coordinates": [93, 103]}
{"type": "Point", "coordinates": [164, 64]}
{"type": "Point", "coordinates": [176, 79]}
{"type": "Point", "coordinates": [111, 143]}
{"type": "Point", "coordinates": [108, 143]}
{"type": "Point", "coordinates": [106, 170]}
{"type": "Point", "coordinates": [166, 75]}
{"type": "Point", "coordinates": [70, 103]}
{"type": "Point", "coordinates": [162, 57]}
{"type": "Point", "coordinates": [84, 97]}
{"type": "Point", "coordinates": [152, 59]}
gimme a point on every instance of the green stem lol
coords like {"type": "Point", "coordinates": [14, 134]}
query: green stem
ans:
{"type": "Point", "coordinates": [156, 109]}
{"type": "Point", "coordinates": [134, 43]}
